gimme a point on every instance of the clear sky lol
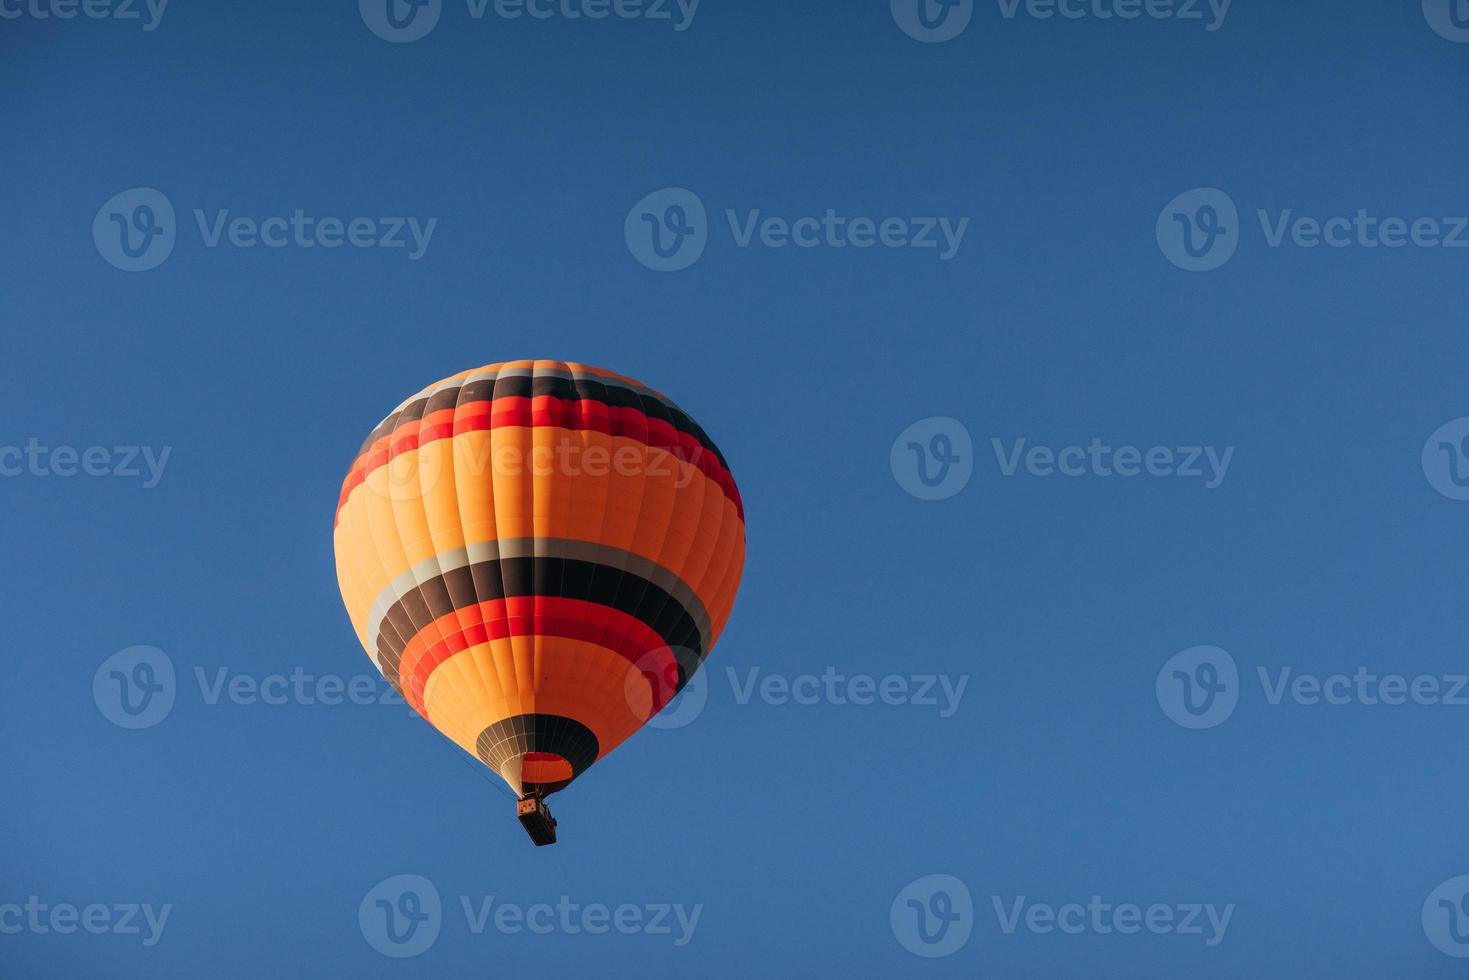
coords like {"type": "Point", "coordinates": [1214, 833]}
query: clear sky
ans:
{"type": "Point", "coordinates": [796, 832]}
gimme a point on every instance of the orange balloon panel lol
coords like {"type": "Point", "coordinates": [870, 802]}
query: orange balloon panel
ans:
{"type": "Point", "coordinates": [539, 556]}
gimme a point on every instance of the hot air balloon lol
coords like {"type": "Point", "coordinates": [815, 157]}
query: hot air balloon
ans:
{"type": "Point", "coordinates": [539, 556]}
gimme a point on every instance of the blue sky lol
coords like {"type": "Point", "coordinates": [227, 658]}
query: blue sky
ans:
{"type": "Point", "coordinates": [1075, 152]}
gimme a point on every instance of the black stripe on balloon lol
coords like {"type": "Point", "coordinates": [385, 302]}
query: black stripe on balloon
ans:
{"type": "Point", "coordinates": [567, 389]}
{"type": "Point", "coordinates": [555, 734]}
{"type": "Point", "coordinates": [563, 578]}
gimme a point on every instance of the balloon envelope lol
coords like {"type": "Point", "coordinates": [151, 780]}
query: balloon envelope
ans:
{"type": "Point", "coordinates": [538, 556]}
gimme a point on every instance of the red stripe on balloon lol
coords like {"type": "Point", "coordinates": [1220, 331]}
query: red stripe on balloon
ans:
{"type": "Point", "coordinates": [499, 619]}
{"type": "Point", "coordinates": [584, 415]}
